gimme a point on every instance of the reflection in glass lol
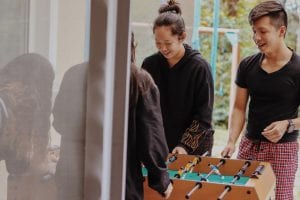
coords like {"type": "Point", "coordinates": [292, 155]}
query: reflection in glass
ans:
{"type": "Point", "coordinates": [25, 92]}
{"type": "Point", "coordinates": [69, 121]}
{"type": "Point", "coordinates": [41, 149]}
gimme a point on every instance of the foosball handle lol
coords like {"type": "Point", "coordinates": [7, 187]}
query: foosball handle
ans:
{"type": "Point", "coordinates": [258, 171]}
{"type": "Point", "coordinates": [171, 159]}
{"type": "Point", "coordinates": [179, 173]}
{"type": "Point", "coordinates": [203, 179]}
{"type": "Point", "coordinates": [197, 186]}
{"type": "Point", "coordinates": [205, 154]}
{"type": "Point", "coordinates": [227, 189]}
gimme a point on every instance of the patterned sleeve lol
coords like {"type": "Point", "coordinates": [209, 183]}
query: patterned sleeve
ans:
{"type": "Point", "coordinates": [194, 136]}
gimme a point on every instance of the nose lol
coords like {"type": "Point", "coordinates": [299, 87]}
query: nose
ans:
{"type": "Point", "coordinates": [256, 37]}
{"type": "Point", "coordinates": [163, 48]}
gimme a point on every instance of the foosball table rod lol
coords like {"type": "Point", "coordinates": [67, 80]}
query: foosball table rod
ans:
{"type": "Point", "coordinates": [171, 159]}
{"type": "Point", "coordinates": [222, 195]}
{"type": "Point", "coordinates": [236, 178]}
{"type": "Point", "coordinates": [214, 169]}
{"type": "Point", "coordinates": [197, 160]}
{"type": "Point", "coordinates": [241, 172]}
{"type": "Point", "coordinates": [197, 186]}
{"type": "Point", "coordinates": [189, 167]}
{"type": "Point", "coordinates": [257, 171]}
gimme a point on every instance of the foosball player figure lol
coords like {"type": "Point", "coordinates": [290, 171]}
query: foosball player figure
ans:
{"type": "Point", "coordinates": [236, 178]}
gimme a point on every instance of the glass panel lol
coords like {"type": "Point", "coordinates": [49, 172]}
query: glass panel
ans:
{"type": "Point", "coordinates": [42, 98]}
{"type": "Point", "coordinates": [13, 29]}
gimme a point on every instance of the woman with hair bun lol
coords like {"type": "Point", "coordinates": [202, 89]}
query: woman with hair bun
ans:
{"type": "Point", "coordinates": [185, 83]}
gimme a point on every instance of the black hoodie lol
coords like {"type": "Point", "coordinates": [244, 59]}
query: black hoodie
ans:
{"type": "Point", "coordinates": [187, 95]}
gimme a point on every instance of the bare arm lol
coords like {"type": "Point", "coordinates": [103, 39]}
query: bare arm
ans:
{"type": "Point", "coordinates": [236, 120]}
{"type": "Point", "coordinates": [297, 123]}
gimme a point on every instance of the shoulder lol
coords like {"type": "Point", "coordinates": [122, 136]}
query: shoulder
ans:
{"type": "Point", "coordinates": [295, 59]}
{"type": "Point", "coordinates": [201, 62]}
{"type": "Point", "coordinates": [294, 66]}
{"type": "Point", "coordinates": [77, 73]}
{"type": "Point", "coordinates": [250, 61]}
{"type": "Point", "coordinates": [152, 58]}
{"type": "Point", "coordinates": [143, 79]}
{"type": "Point", "coordinates": [252, 58]}
{"type": "Point", "coordinates": [198, 65]}
{"type": "Point", "coordinates": [194, 59]}
{"type": "Point", "coordinates": [153, 63]}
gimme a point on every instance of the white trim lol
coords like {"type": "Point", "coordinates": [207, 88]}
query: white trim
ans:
{"type": "Point", "coordinates": [108, 98]}
{"type": "Point", "coordinates": [53, 32]}
{"type": "Point", "coordinates": [116, 100]}
{"type": "Point", "coordinates": [87, 30]}
{"type": "Point", "coordinates": [32, 25]}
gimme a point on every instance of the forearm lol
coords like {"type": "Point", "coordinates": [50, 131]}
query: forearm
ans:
{"type": "Point", "coordinates": [236, 125]}
{"type": "Point", "coordinates": [296, 121]}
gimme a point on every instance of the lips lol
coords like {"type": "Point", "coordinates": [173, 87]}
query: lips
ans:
{"type": "Point", "coordinates": [166, 54]}
{"type": "Point", "coordinates": [260, 45]}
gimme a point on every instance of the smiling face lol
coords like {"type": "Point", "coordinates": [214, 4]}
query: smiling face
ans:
{"type": "Point", "coordinates": [266, 36]}
{"type": "Point", "coordinates": [170, 46]}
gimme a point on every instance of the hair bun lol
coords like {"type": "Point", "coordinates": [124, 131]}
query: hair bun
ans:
{"type": "Point", "coordinates": [171, 6]}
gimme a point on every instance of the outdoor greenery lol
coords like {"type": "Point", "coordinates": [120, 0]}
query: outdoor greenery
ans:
{"type": "Point", "coordinates": [234, 16]}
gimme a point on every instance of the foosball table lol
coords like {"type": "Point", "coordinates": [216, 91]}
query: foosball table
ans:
{"type": "Point", "coordinates": [210, 178]}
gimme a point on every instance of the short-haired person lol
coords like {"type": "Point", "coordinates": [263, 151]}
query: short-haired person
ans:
{"type": "Point", "coordinates": [270, 80]}
{"type": "Point", "coordinates": [146, 140]}
{"type": "Point", "coordinates": [185, 84]}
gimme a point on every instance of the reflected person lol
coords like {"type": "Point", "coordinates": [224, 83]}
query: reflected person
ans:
{"type": "Point", "coordinates": [25, 108]}
{"type": "Point", "coordinates": [69, 121]}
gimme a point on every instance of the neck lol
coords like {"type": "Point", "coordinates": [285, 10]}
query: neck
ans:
{"type": "Point", "coordinates": [281, 53]}
{"type": "Point", "coordinates": [277, 59]}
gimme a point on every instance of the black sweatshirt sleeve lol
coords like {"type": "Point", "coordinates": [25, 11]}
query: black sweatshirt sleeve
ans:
{"type": "Point", "coordinates": [152, 144]}
{"type": "Point", "coordinates": [202, 110]}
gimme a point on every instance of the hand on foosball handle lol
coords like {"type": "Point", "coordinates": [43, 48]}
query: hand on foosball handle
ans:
{"type": "Point", "coordinates": [228, 150]}
{"type": "Point", "coordinates": [226, 156]}
{"type": "Point", "coordinates": [168, 191]}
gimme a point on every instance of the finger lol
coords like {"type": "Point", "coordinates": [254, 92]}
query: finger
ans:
{"type": "Point", "coordinates": [223, 153]}
{"type": "Point", "coordinates": [275, 138]}
{"type": "Point", "coordinates": [267, 132]}
{"type": "Point", "coordinates": [183, 151]}
{"type": "Point", "coordinates": [168, 192]}
{"type": "Point", "coordinates": [226, 153]}
{"type": "Point", "coordinates": [175, 150]}
{"type": "Point", "coordinates": [227, 156]}
{"type": "Point", "coordinates": [267, 135]}
{"type": "Point", "coordinates": [271, 126]}
{"type": "Point", "coordinates": [272, 138]}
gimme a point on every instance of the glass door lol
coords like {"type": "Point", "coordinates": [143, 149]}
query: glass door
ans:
{"type": "Point", "coordinates": [43, 65]}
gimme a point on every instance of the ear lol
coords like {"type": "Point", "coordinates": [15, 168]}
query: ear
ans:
{"type": "Point", "coordinates": [182, 37]}
{"type": "Point", "coordinates": [282, 31]}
